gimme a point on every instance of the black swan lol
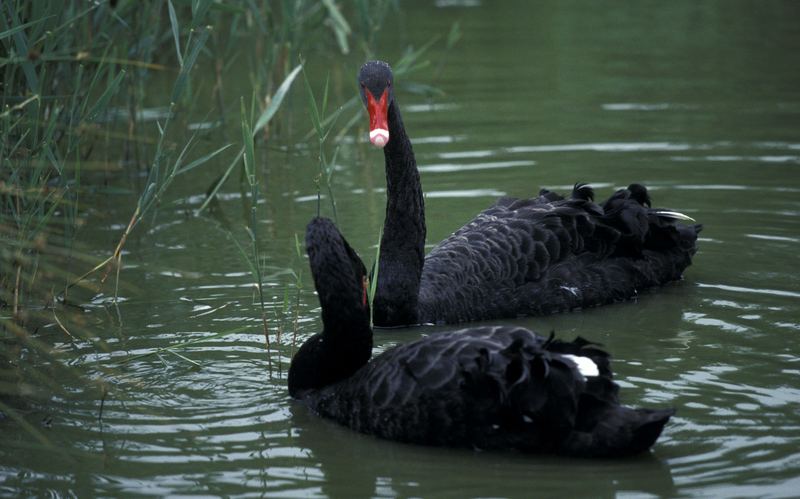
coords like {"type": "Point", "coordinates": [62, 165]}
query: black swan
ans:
{"type": "Point", "coordinates": [519, 257]}
{"type": "Point", "coordinates": [500, 387]}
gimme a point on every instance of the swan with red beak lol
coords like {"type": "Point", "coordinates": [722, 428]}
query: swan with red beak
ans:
{"type": "Point", "coordinates": [534, 256]}
{"type": "Point", "coordinates": [375, 80]}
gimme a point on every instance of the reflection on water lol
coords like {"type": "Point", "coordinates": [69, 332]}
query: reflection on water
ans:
{"type": "Point", "coordinates": [698, 100]}
{"type": "Point", "coordinates": [389, 470]}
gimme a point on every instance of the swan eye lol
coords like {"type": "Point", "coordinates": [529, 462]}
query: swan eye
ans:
{"type": "Point", "coordinates": [363, 85]}
{"type": "Point", "coordinates": [388, 83]}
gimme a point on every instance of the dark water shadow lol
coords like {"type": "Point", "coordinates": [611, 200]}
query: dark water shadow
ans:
{"type": "Point", "coordinates": [356, 465]}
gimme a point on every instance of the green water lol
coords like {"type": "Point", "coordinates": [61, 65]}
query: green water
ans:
{"type": "Point", "coordinates": [698, 100]}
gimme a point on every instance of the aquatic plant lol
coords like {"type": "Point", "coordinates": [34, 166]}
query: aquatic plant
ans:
{"type": "Point", "coordinates": [75, 115]}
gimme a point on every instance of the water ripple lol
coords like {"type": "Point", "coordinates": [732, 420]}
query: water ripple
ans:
{"type": "Point", "coordinates": [465, 193]}
{"type": "Point", "coordinates": [742, 289]}
{"type": "Point", "coordinates": [460, 167]}
{"type": "Point", "coordinates": [607, 147]}
{"type": "Point", "coordinates": [774, 238]}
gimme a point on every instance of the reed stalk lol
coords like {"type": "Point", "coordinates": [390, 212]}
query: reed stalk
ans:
{"type": "Point", "coordinates": [74, 97]}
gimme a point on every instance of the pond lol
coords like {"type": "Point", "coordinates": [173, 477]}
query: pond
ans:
{"type": "Point", "coordinates": [700, 101]}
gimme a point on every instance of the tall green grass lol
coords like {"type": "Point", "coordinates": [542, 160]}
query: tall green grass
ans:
{"type": "Point", "coordinates": [74, 105]}
{"type": "Point", "coordinates": [76, 110]}
{"type": "Point", "coordinates": [322, 127]}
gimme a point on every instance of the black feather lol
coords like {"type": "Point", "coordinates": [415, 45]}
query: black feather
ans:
{"type": "Point", "coordinates": [520, 256]}
{"type": "Point", "coordinates": [487, 387]}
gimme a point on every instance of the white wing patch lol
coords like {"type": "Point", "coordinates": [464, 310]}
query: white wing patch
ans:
{"type": "Point", "coordinates": [572, 290]}
{"type": "Point", "coordinates": [586, 366]}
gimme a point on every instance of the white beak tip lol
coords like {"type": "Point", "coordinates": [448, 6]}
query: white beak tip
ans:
{"type": "Point", "coordinates": [379, 137]}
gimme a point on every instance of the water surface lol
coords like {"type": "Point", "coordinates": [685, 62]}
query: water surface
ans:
{"type": "Point", "coordinates": [700, 101]}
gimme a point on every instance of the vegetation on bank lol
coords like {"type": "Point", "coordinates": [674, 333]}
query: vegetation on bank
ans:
{"type": "Point", "coordinates": [77, 108]}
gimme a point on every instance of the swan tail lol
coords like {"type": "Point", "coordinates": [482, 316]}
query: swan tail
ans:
{"type": "Point", "coordinates": [583, 192]}
{"type": "Point", "coordinates": [580, 347]}
{"type": "Point", "coordinates": [645, 229]}
{"type": "Point", "coordinates": [540, 402]}
{"type": "Point", "coordinates": [614, 431]}
{"type": "Point", "coordinates": [548, 196]}
{"type": "Point", "coordinates": [667, 235]}
{"type": "Point", "coordinates": [603, 427]}
{"type": "Point", "coordinates": [529, 384]}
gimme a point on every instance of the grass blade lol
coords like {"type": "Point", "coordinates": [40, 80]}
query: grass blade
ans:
{"type": "Point", "coordinates": [213, 193]}
{"type": "Point", "coordinates": [341, 29]}
{"type": "Point", "coordinates": [191, 58]}
{"type": "Point", "coordinates": [16, 29]}
{"type": "Point", "coordinates": [373, 281]}
{"type": "Point", "coordinates": [173, 20]}
{"type": "Point", "coordinates": [184, 344]}
{"type": "Point", "coordinates": [454, 35]}
{"type": "Point", "coordinates": [204, 159]}
{"type": "Point", "coordinates": [22, 46]}
{"type": "Point", "coordinates": [102, 102]}
{"type": "Point", "coordinates": [183, 357]}
{"type": "Point", "coordinates": [199, 10]}
{"type": "Point", "coordinates": [249, 146]}
{"type": "Point", "coordinates": [312, 107]}
{"type": "Point", "coordinates": [275, 103]}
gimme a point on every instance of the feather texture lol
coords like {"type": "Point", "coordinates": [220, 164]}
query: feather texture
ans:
{"type": "Point", "coordinates": [497, 387]}
{"type": "Point", "coordinates": [521, 256]}
{"type": "Point", "coordinates": [537, 257]}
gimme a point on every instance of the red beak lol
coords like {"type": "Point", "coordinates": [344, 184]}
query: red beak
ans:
{"type": "Point", "coordinates": [378, 118]}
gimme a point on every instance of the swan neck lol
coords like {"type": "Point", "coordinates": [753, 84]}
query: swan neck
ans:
{"type": "Point", "coordinates": [328, 358]}
{"type": "Point", "coordinates": [403, 241]}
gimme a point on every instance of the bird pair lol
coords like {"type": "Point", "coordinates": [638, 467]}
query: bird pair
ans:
{"type": "Point", "coordinates": [496, 387]}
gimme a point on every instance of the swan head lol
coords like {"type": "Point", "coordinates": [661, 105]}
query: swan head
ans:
{"type": "Point", "coordinates": [339, 276]}
{"type": "Point", "coordinates": [375, 81]}
{"type": "Point", "coordinates": [345, 343]}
